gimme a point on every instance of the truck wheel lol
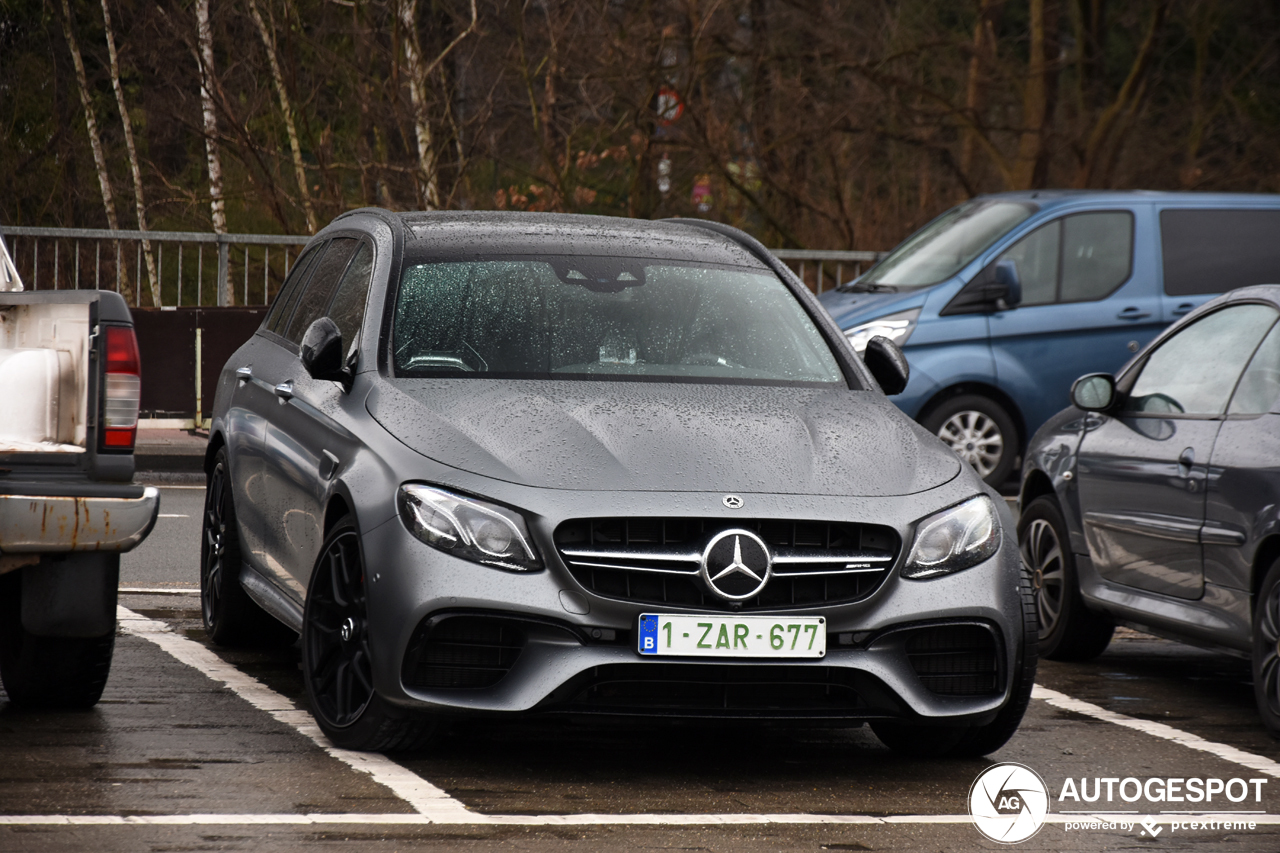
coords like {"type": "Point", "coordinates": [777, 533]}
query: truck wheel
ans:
{"type": "Point", "coordinates": [231, 617]}
{"type": "Point", "coordinates": [1069, 630]}
{"type": "Point", "coordinates": [337, 657]}
{"type": "Point", "coordinates": [48, 672]}
{"type": "Point", "coordinates": [981, 433]}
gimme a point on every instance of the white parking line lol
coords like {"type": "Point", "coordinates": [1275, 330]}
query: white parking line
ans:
{"type": "Point", "coordinates": [1160, 730]}
{"type": "Point", "coordinates": [158, 590]}
{"type": "Point", "coordinates": [594, 819]}
{"type": "Point", "coordinates": [420, 794]}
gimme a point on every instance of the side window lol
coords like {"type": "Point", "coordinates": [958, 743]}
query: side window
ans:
{"type": "Point", "coordinates": [1078, 258]}
{"type": "Point", "coordinates": [288, 295]}
{"type": "Point", "coordinates": [1213, 251]}
{"type": "Point", "coordinates": [1097, 255]}
{"type": "Point", "coordinates": [1260, 385]}
{"type": "Point", "coordinates": [1194, 372]}
{"type": "Point", "coordinates": [315, 296]}
{"type": "Point", "coordinates": [1036, 256]}
{"type": "Point", "coordinates": [347, 309]}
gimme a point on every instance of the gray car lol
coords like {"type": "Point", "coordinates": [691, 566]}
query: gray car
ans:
{"type": "Point", "coordinates": [514, 464]}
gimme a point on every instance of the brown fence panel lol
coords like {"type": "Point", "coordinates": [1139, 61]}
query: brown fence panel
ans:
{"type": "Point", "coordinates": [167, 344]}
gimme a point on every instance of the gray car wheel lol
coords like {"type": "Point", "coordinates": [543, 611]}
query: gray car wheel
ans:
{"type": "Point", "coordinates": [1266, 650]}
{"type": "Point", "coordinates": [337, 655]}
{"type": "Point", "coordinates": [1069, 630]}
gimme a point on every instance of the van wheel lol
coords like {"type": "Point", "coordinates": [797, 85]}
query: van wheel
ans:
{"type": "Point", "coordinates": [981, 433]}
{"type": "Point", "coordinates": [1069, 630]}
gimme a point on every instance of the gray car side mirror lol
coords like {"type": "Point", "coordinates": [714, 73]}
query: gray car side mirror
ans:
{"type": "Point", "coordinates": [1094, 392]}
{"type": "Point", "coordinates": [321, 351]}
{"type": "Point", "coordinates": [887, 364]}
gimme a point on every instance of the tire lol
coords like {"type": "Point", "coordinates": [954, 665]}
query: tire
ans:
{"type": "Point", "coordinates": [919, 741]}
{"type": "Point", "coordinates": [231, 617]}
{"type": "Point", "coordinates": [64, 673]}
{"type": "Point", "coordinates": [983, 740]}
{"type": "Point", "coordinates": [337, 657]}
{"type": "Point", "coordinates": [1266, 653]}
{"type": "Point", "coordinates": [1068, 629]}
{"type": "Point", "coordinates": [980, 432]}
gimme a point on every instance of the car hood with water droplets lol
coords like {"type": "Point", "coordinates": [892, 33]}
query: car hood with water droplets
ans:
{"type": "Point", "coordinates": [624, 436]}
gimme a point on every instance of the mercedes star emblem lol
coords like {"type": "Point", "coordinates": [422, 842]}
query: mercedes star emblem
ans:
{"type": "Point", "coordinates": [736, 564]}
{"type": "Point", "coordinates": [732, 501]}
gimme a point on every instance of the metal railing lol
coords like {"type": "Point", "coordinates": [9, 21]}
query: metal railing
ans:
{"type": "Point", "coordinates": [195, 268]}
{"type": "Point", "coordinates": [192, 268]}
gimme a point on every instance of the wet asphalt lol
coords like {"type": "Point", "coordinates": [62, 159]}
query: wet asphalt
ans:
{"type": "Point", "coordinates": [168, 740]}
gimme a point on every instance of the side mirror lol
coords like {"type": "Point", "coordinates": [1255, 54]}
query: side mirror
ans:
{"type": "Point", "coordinates": [887, 364]}
{"type": "Point", "coordinates": [1009, 283]}
{"type": "Point", "coordinates": [321, 351]}
{"type": "Point", "coordinates": [1094, 392]}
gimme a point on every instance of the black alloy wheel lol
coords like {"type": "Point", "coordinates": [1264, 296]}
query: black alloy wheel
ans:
{"type": "Point", "coordinates": [1068, 629]}
{"type": "Point", "coordinates": [231, 617]}
{"type": "Point", "coordinates": [337, 655]}
{"type": "Point", "coordinates": [1266, 650]}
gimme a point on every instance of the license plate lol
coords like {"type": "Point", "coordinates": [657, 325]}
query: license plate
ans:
{"type": "Point", "coordinates": [733, 636]}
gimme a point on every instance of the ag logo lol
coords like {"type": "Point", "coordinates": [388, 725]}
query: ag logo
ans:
{"type": "Point", "coordinates": [1008, 803]}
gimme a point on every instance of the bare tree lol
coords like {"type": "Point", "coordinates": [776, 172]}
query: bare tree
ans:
{"type": "Point", "coordinates": [204, 36]}
{"type": "Point", "coordinates": [138, 197]}
{"type": "Point", "coordinates": [286, 109]}
{"type": "Point", "coordinates": [91, 122]}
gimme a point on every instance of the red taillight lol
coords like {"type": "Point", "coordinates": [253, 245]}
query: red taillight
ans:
{"type": "Point", "coordinates": [123, 389]}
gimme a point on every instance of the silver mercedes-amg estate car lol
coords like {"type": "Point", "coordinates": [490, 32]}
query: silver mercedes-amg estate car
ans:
{"type": "Point", "coordinates": [515, 464]}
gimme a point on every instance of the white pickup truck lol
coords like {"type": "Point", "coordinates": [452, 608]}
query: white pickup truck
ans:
{"type": "Point", "coordinates": [69, 391]}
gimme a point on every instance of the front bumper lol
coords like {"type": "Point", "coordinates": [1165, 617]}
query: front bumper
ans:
{"type": "Point", "coordinates": [578, 647]}
{"type": "Point", "coordinates": [42, 524]}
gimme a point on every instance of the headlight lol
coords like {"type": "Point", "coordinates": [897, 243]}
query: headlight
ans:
{"type": "Point", "coordinates": [954, 539]}
{"type": "Point", "coordinates": [468, 528]}
{"type": "Point", "coordinates": [895, 327]}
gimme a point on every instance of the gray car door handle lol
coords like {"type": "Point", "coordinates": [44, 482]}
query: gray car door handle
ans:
{"type": "Point", "coordinates": [244, 374]}
{"type": "Point", "coordinates": [285, 390]}
{"type": "Point", "coordinates": [1133, 313]}
{"type": "Point", "coordinates": [1186, 459]}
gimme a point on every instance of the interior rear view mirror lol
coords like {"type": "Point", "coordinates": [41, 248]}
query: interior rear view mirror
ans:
{"type": "Point", "coordinates": [1094, 392]}
{"type": "Point", "coordinates": [887, 364]}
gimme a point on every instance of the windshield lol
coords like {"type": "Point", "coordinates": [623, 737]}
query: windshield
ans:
{"type": "Point", "coordinates": [942, 248]}
{"type": "Point", "coordinates": [605, 318]}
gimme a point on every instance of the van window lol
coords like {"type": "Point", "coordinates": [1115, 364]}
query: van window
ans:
{"type": "Point", "coordinates": [1213, 251]}
{"type": "Point", "coordinates": [1078, 258]}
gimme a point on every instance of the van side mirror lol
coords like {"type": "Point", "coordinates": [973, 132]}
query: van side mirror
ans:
{"type": "Point", "coordinates": [1010, 284]}
{"type": "Point", "coordinates": [321, 351]}
{"type": "Point", "coordinates": [887, 364]}
{"type": "Point", "coordinates": [1094, 392]}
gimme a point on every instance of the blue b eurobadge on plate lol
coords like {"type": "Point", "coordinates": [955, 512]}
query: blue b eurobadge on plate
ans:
{"type": "Point", "coordinates": [648, 634]}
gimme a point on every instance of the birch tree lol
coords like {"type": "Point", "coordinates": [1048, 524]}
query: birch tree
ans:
{"type": "Point", "coordinates": [286, 109]}
{"type": "Point", "coordinates": [138, 197]}
{"type": "Point", "coordinates": [217, 207]}
{"type": "Point", "coordinates": [90, 121]}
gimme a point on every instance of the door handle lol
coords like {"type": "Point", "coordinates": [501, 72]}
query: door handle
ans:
{"type": "Point", "coordinates": [1186, 459]}
{"type": "Point", "coordinates": [1133, 313]}
{"type": "Point", "coordinates": [285, 391]}
{"type": "Point", "coordinates": [1184, 308]}
{"type": "Point", "coordinates": [244, 374]}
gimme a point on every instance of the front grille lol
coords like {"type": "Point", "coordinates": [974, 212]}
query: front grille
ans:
{"type": "Point", "coordinates": [719, 690]}
{"type": "Point", "coordinates": [657, 560]}
{"type": "Point", "coordinates": [463, 650]}
{"type": "Point", "coordinates": [956, 660]}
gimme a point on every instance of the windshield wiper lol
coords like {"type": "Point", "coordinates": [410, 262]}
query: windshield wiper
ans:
{"type": "Point", "coordinates": [857, 286]}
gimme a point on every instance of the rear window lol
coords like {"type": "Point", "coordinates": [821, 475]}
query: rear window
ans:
{"type": "Point", "coordinates": [1213, 251]}
{"type": "Point", "coordinates": [606, 318]}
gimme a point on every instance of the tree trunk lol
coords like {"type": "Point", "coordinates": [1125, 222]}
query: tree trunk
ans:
{"type": "Point", "coordinates": [1039, 96]}
{"type": "Point", "coordinates": [217, 207]}
{"type": "Point", "coordinates": [91, 123]}
{"type": "Point", "coordinates": [139, 199]}
{"type": "Point", "coordinates": [428, 179]}
{"type": "Point", "coordinates": [286, 108]}
{"type": "Point", "coordinates": [980, 64]}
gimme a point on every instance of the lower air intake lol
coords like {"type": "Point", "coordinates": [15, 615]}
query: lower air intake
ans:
{"type": "Point", "coordinates": [956, 660]}
{"type": "Point", "coordinates": [462, 651]}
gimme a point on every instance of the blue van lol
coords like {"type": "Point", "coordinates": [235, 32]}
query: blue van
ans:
{"type": "Point", "coordinates": [1001, 303]}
